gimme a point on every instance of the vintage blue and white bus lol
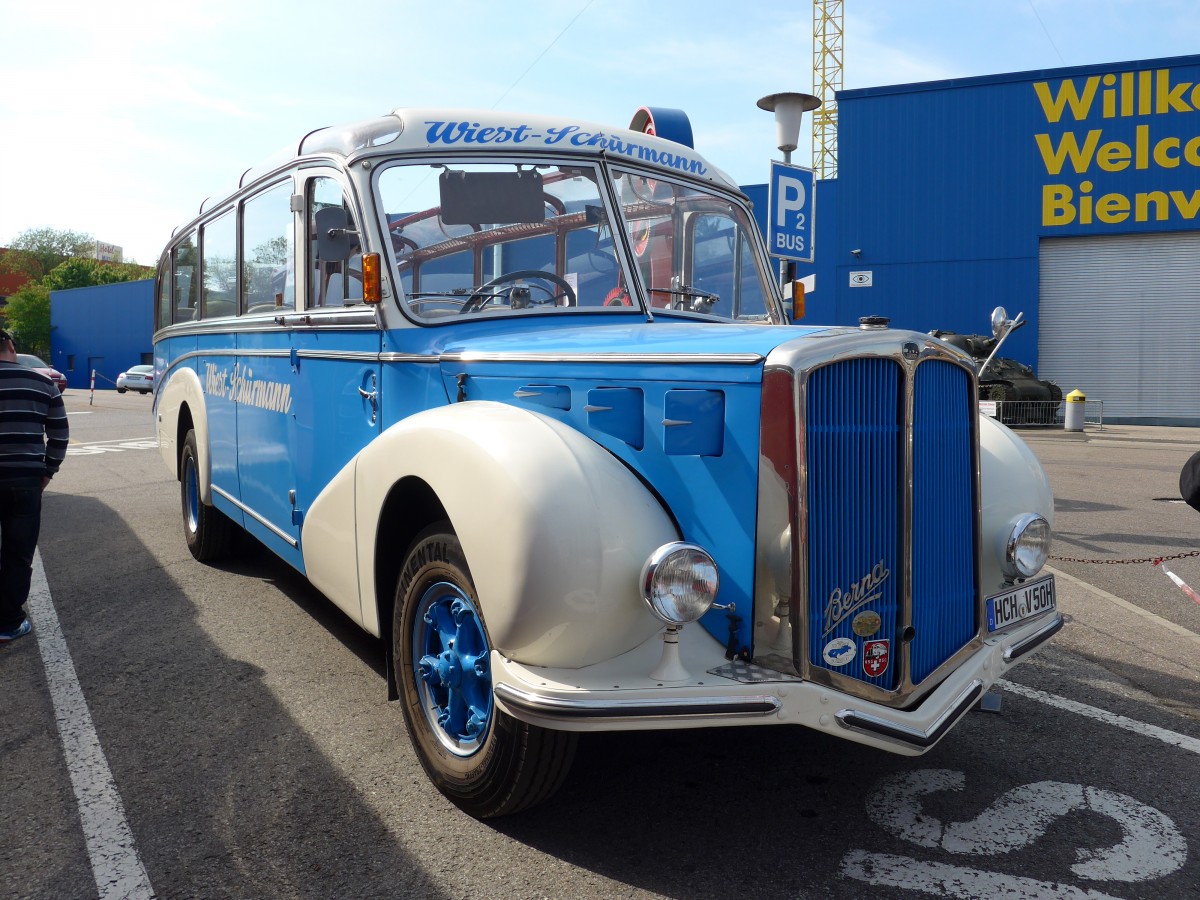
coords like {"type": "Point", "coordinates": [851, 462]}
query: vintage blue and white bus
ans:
{"type": "Point", "coordinates": [521, 397]}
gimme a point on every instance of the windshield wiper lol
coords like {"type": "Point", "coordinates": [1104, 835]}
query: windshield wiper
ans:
{"type": "Point", "coordinates": [702, 300]}
{"type": "Point", "coordinates": [456, 292]}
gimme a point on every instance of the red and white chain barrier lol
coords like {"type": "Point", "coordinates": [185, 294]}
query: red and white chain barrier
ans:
{"type": "Point", "coordinates": [1179, 582]}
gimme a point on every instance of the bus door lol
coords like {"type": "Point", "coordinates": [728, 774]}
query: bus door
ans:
{"type": "Point", "coordinates": [337, 343]}
{"type": "Point", "coordinates": [262, 380]}
{"type": "Point", "coordinates": [204, 292]}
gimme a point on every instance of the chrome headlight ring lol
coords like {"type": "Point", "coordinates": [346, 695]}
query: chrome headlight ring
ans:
{"type": "Point", "coordinates": [679, 582]}
{"type": "Point", "coordinates": [1027, 546]}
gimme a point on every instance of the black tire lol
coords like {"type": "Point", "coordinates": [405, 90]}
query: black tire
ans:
{"type": "Point", "coordinates": [207, 530]}
{"type": "Point", "coordinates": [504, 767]}
{"type": "Point", "coordinates": [121, 390]}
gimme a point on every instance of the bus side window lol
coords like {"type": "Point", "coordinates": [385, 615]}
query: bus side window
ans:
{"type": "Point", "coordinates": [183, 272]}
{"type": "Point", "coordinates": [219, 252]}
{"type": "Point", "coordinates": [162, 317]}
{"type": "Point", "coordinates": [331, 282]}
{"type": "Point", "coordinates": [268, 251]}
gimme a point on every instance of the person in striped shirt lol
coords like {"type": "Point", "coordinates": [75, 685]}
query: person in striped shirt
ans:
{"type": "Point", "coordinates": [33, 444]}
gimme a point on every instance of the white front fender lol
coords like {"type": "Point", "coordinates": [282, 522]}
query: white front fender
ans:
{"type": "Point", "coordinates": [554, 528]}
{"type": "Point", "coordinates": [1013, 482]}
{"type": "Point", "coordinates": [184, 387]}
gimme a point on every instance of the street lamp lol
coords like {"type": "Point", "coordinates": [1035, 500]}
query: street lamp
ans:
{"type": "Point", "coordinates": [789, 108]}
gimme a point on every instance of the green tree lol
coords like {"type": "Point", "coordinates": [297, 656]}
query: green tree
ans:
{"type": "Point", "coordinates": [36, 251]}
{"type": "Point", "coordinates": [27, 314]}
{"type": "Point", "coordinates": [77, 273]}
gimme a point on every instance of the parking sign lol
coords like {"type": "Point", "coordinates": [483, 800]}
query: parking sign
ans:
{"type": "Point", "coordinates": [790, 212]}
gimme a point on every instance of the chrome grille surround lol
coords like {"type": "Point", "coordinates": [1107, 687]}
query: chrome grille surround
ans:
{"type": "Point", "coordinates": [784, 544]}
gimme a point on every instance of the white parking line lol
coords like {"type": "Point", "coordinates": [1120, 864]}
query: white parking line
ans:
{"type": "Point", "coordinates": [1181, 741]}
{"type": "Point", "coordinates": [116, 446]}
{"type": "Point", "coordinates": [115, 863]}
{"type": "Point", "coordinates": [118, 441]}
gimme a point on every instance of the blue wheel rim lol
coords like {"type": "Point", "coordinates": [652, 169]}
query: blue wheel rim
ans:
{"type": "Point", "coordinates": [191, 494]}
{"type": "Point", "coordinates": [452, 667]}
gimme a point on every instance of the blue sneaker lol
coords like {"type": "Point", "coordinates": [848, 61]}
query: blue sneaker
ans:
{"type": "Point", "coordinates": [13, 633]}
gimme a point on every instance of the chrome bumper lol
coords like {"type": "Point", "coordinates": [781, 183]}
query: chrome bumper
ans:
{"type": "Point", "coordinates": [616, 696]}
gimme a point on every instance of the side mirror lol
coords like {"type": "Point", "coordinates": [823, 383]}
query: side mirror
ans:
{"type": "Point", "coordinates": [1000, 321]}
{"type": "Point", "coordinates": [336, 241]}
{"type": "Point", "coordinates": [1002, 327]}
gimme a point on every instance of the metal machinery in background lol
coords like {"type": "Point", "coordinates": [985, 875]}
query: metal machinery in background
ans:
{"type": "Point", "coordinates": [827, 81]}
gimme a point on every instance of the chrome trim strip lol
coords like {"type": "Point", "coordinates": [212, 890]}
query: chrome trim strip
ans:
{"type": "Point", "coordinates": [1019, 649]}
{"type": "Point", "coordinates": [409, 357]}
{"type": "Point", "coordinates": [351, 355]}
{"type": "Point", "coordinates": [734, 359]}
{"type": "Point", "coordinates": [257, 518]}
{"type": "Point", "coordinates": [352, 319]}
{"type": "Point", "coordinates": [683, 708]}
{"type": "Point", "coordinates": [854, 720]}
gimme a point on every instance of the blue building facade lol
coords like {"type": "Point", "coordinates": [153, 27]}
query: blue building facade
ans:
{"type": "Point", "coordinates": [107, 328]}
{"type": "Point", "coordinates": [1072, 195]}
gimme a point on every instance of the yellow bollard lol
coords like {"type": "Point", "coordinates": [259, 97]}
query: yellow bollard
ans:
{"type": "Point", "coordinates": [1073, 413]}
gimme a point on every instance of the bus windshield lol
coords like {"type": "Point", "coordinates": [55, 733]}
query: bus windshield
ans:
{"type": "Point", "coordinates": [488, 239]}
{"type": "Point", "coordinates": [482, 239]}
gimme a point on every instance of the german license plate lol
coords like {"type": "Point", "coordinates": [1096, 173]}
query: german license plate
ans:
{"type": "Point", "coordinates": [1030, 599]}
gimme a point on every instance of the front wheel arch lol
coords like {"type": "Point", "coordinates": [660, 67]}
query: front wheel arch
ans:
{"type": "Point", "coordinates": [411, 506]}
{"type": "Point", "coordinates": [181, 433]}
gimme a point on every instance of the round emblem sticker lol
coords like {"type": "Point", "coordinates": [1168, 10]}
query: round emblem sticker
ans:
{"type": "Point", "coordinates": [839, 652]}
{"type": "Point", "coordinates": [866, 623]}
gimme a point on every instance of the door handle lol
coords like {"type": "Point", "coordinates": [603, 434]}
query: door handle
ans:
{"type": "Point", "coordinates": [372, 396]}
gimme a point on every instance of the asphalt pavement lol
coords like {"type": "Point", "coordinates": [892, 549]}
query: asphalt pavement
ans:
{"type": "Point", "coordinates": [235, 725]}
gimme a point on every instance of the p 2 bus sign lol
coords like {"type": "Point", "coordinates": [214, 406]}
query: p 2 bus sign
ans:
{"type": "Point", "coordinates": [790, 212]}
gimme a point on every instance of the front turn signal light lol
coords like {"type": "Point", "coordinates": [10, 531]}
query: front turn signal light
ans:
{"type": "Point", "coordinates": [372, 278]}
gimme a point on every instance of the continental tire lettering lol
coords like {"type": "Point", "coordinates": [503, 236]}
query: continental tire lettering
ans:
{"type": "Point", "coordinates": [423, 556]}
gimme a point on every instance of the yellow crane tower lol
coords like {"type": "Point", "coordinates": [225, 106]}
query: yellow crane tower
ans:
{"type": "Point", "coordinates": [827, 80]}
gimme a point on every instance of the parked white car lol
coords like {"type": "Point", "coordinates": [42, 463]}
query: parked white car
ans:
{"type": "Point", "coordinates": [136, 378]}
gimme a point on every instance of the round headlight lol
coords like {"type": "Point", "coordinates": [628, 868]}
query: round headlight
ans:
{"type": "Point", "coordinates": [679, 582]}
{"type": "Point", "coordinates": [1027, 547]}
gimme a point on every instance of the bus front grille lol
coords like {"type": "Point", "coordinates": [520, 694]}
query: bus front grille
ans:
{"type": "Point", "coordinates": [890, 574]}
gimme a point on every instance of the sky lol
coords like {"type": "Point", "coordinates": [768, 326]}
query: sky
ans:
{"type": "Point", "coordinates": [119, 118]}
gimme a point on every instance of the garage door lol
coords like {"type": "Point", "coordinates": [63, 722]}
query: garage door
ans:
{"type": "Point", "coordinates": [1119, 319]}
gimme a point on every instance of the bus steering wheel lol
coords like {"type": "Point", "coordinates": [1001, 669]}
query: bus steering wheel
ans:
{"type": "Point", "coordinates": [479, 299]}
